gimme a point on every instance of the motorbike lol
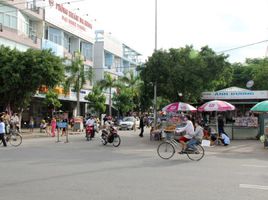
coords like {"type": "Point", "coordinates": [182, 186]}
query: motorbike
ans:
{"type": "Point", "coordinates": [110, 135]}
{"type": "Point", "coordinates": [89, 132]}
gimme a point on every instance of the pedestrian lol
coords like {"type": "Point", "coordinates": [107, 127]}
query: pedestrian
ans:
{"type": "Point", "coordinates": [31, 124]}
{"type": "Point", "coordinates": [64, 129]}
{"type": "Point", "coordinates": [53, 126]}
{"type": "Point", "coordinates": [2, 132]}
{"type": "Point", "coordinates": [141, 126]}
{"type": "Point", "coordinates": [135, 124]}
{"type": "Point", "coordinates": [220, 125]}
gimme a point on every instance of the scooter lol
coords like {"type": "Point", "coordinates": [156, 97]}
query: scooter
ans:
{"type": "Point", "coordinates": [110, 135]}
{"type": "Point", "coordinates": [89, 132]}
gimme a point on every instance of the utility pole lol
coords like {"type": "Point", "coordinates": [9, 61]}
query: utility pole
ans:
{"type": "Point", "coordinates": [155, 83]}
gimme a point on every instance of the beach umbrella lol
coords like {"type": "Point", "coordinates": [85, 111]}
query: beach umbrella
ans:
{"type": "Point", "coordinates": [260, 107]}
{"type": "Point", "coordinates": [179, 106]}
{"type": "Point", "coordinates": [218, 106]}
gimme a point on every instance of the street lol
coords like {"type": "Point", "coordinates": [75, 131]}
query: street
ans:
{"type": "Point", "coordinates": [41, 169]}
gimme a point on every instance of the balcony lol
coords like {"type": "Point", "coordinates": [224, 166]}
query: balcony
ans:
{"type": "Point", "coordinates": [31, 40]}
{"type": "Point", "coordinates": [28, 8]}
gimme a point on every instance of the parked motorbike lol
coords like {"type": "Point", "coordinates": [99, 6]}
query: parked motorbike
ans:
{"type": "Point", "coordinates": [110, 135]}
{"type": "Point", "coordinates": [89, 132]}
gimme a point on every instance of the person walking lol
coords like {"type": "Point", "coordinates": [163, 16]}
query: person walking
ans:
{"type": "Point", "coordinates": [53, 126]}
{"type": "Point", "coordinates": [2, 132]}
{"type": "Point", "coordinates": [135, 124]}
{"type": "Point", "coordinates": [31, 124]}
{"type": "Point", "coordinates": [141, 126]}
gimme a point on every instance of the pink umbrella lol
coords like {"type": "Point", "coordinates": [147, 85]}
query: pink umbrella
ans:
{"type": "Point", "coordinates": [179, 106]}
{"type": "Point", "coordinates": [216, 105]}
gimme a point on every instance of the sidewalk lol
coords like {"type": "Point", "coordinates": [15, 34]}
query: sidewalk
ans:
{"type": "Point", "coordinates": [37, 134]}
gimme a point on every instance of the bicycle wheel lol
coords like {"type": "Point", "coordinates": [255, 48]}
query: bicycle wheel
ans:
{"type": "Point", "coordinates": [165, 150]}
{"type": "Point", "coordinates": [116, 141]}
{"type": "Point", "coordinates": [196, 154]}
{"type": "Point", "coordinates": [15, 139]}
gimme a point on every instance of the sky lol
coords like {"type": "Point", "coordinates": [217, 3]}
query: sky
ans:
{"type": "Point", "coordinates": [220, 24]}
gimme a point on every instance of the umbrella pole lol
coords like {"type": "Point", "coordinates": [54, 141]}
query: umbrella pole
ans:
{"type": "Point", "coordinates": [217, 129]}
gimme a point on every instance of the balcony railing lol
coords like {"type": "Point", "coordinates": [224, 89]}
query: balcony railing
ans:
{"type": "Point", "coordinates": [32, 7]}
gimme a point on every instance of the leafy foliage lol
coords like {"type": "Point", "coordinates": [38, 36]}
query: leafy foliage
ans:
{"type": "Point", "coordinates": [123, 100]}
{"type": "Point", "coordinates": [77, 78]}
{"type": "Point", "coordinates": [22, 73]}
{"type": "Point", "coordinates": [185, 71]}
{"type": "Point", "coordinates": [52, 100]}
{"type": "Point", "coordinates": [97, 99]}
{"type": "Point", "coordinates": [108, 83]}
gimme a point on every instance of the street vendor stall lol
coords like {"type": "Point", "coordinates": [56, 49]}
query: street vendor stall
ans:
{"type": "Point", "coordinates": [174, 119]}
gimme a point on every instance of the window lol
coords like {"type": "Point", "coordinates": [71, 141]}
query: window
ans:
{"type": "Point", "coordinates": [108, 60]}
{"type": "Point", "coordinates": [54, 35]}
{"type": "Point", "coordinates": [86, 50]}
{"type": "Point", "coordinates": [8, 16]}
{"type": "Point", "coordinates": [67, 44]}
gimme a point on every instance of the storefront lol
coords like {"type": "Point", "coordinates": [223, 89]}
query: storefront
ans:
{"type": "Point", "coordinates": [241, 123]}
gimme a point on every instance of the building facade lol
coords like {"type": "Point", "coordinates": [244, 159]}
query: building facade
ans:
{"type": "Point", "coordinates": [113, 57]}
{"type": "Point", "coordinates": [47, 24]}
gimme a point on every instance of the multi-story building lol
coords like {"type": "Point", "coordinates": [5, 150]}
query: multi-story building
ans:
{"type": "Point", "coordinates": [46, 24]}
{"type": "Point", "coordinates": [66, 32]}
{"type": "Point", "coordinates": [21, 24]}
{"type": "Point", "coordinates": [113, 57]}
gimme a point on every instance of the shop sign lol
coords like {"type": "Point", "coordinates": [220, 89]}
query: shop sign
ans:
{"type": "Point", "coordinates": [235, 95]}
{"type": "Point", "coordinates": [62, 16]}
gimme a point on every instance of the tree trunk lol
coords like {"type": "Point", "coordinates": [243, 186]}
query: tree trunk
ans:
{"type": "Point", "coordinates": [78, 103]}
{"type": "Point", "coordinates": [110, 101]}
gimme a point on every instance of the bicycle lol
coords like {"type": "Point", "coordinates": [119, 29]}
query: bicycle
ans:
{"type": "Point", "coordinates": [166, 150]}
{"type": "Point", "coordinates": [14, 138]}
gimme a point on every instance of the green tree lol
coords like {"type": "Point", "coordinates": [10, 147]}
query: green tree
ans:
{"type": "Point", "coordinates": [185, 71]}
{"type": "Point", "coordinates": [22, 73]}
{"type": "Point", "coordinates": [134, 83]}
{"type": "Point", "coordinates": [78, 76]}
{"type": "Point", "coordinates": [108, 83]}
{"type": "Point", "coordinates": [97, 99]}
{"type": "Point", "coordinates": [52, 101]}
{"type": "Point", "coordinates": [123, 100]}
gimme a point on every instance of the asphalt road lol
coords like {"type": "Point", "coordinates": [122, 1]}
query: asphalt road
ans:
{"type": "Point", "coordinates": [41, 169]}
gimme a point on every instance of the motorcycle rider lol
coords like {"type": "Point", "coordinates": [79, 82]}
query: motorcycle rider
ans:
{"type": "Point", "coordinates": [91, 122]}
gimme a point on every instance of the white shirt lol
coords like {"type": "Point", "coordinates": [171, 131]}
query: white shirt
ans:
{"type": "Point", "coordinates": [90, 122]}
{"type": "Point", "coordinates": [189, 129]}
{"type": "Point", "coordinates": [2, 128]}
{"type": "Point", "coordinates": [225, 138]}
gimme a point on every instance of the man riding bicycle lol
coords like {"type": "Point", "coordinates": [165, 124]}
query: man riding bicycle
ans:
{"type": "Point", "coordinates": [189, 129]}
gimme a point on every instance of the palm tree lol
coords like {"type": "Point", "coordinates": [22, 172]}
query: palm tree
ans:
{"type": "Point", "coordinates": [133, 82]}
{"type": "Point", "coordinates": [77, 77]}
{"type": "Point", "coordinates": [108, 83]}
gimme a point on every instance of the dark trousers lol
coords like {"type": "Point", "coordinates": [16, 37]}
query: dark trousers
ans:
{"type": "Point", "coordinates": [2, 137]}
{"type": "Point", "coordinates": [142, 129]}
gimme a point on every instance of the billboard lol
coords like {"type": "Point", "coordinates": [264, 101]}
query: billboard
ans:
{"type": "Point", "coordinates": [64, 17]}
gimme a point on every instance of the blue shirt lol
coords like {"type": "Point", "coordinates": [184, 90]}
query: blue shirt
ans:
{"type": "Point", "coordinates": [2, 128]}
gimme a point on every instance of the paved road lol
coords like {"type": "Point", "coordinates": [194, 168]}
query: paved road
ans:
{"type": "Point", "coordinates": [42, 169]}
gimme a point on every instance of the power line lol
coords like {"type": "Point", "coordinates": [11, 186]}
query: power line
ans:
{"type": "Point", "coordinates": [243, 46]}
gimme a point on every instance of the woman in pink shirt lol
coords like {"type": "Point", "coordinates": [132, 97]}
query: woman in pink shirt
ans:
{"type": "Point", "coordinates": [53, 126]}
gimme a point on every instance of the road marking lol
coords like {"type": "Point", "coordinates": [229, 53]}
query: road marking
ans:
{"type": "Point", "coordinates": [258, 166]}
{"type": "Point", "coordinates": [257, 187]}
